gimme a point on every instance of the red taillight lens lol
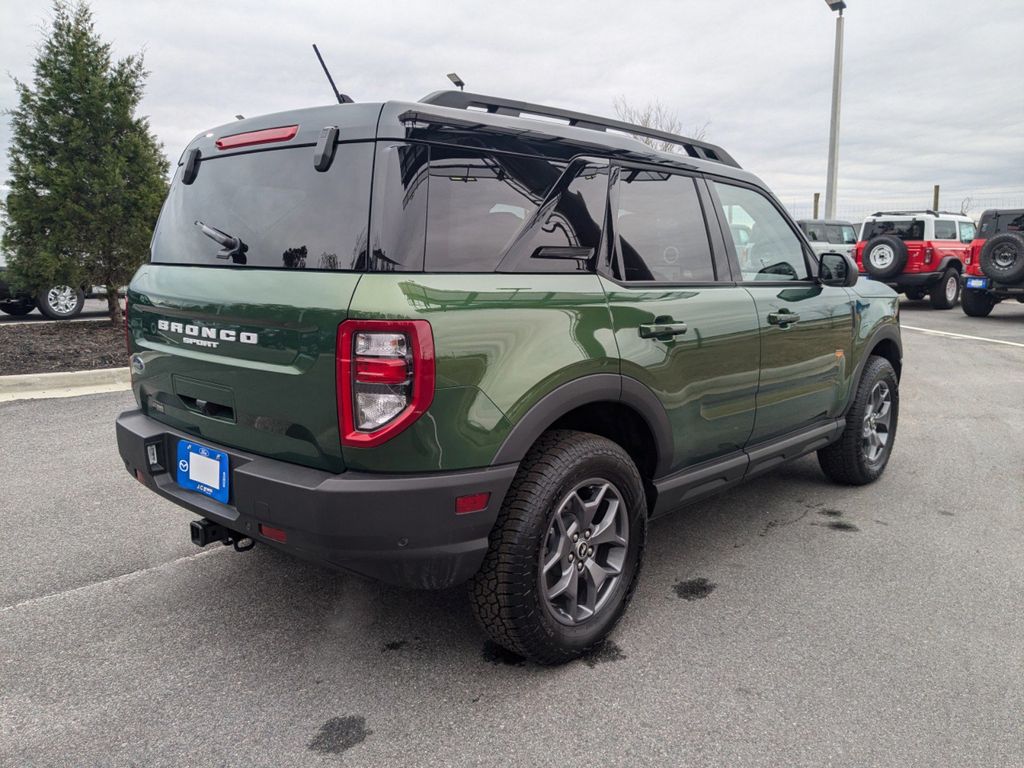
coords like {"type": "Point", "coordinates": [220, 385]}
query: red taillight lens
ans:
{"type": "Point", "coordinates": [266, 136]}
{"type": "Point", "coordinates": [928, 253]}
{"type": "Point", "coordinates": [385, 378]}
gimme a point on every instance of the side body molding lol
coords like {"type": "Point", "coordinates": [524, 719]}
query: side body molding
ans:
{"type": "Point", "coordinates": [590, 389]}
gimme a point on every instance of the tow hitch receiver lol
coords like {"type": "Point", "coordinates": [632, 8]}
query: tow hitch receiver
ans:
{"type": "Point", "coordinates": [205, 532]}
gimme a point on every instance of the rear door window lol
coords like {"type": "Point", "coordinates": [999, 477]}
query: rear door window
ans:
{"type": "Point", "coordinates": [816, 233]}
{"type": "Point", "coordinates": [945, 230]}
{"type": "Point", "coordinates": [662, 234]}
{"type": "Point", "coordinates": [841, 234]}
{"type": "Point", "coordinates": [269, 209]}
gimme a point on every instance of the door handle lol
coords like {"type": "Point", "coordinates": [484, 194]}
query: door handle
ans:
{"type": "Point", "coordinates": [783, 318]}
{"type": "Point", "coordinates": [661, 330]}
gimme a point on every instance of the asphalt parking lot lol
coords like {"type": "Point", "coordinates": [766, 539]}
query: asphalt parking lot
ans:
{"type": "Point", "coordinates": [787, 623]}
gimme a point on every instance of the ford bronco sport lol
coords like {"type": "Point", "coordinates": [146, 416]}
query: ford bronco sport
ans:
{"type": "Point", "coordinates": [994, 269]}
{"type": "Point", "coordinates": [917, 253]}
{"type": "Point", "coordinates": [828, 236]}
{"type": "Point", "coordinates": [441, 342]}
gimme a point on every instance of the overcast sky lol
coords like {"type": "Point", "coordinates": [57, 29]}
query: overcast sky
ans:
{"type": "Point", "coordinates": [932, 88]}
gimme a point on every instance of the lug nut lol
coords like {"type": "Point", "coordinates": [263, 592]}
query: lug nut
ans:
{"type": "Point", "coordinates": [579, 566]}
{"type": "Point", "coordinates": [571, 557]}
{"type": "Point", "coordinates": [590, 550]}
{"type": "Point", "coordinates": [575, 537]}
{"type": "Point", "coordinates": [586, 534]}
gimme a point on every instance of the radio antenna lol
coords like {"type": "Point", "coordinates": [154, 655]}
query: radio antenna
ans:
{"type": "Point", "coordinates": [342, 98]}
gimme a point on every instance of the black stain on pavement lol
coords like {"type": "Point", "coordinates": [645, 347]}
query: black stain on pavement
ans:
{"type": "Point", "coordinates": [831, 512]}
{"type": "Point", "coordinates": [946, 512]}
{"type": "Point", "coordinates": [605, 652]}
{"type": "Point", "coordinates": [394, 645]}
{"type": "Point", "coordinates": [340, 734]}
{"type": "Point", "coordinates": [496, 654]}
{"type": "Point", "coordinates": [839, 525]}
{"type": "Point", "coordinates": [694, 589]}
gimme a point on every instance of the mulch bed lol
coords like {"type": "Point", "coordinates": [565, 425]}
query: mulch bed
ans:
{"type": "Point", "coordinates": [64, 346]}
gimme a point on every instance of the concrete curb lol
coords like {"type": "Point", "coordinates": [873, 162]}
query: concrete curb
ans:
{"type": "Point", "coordinates": [32, 386]}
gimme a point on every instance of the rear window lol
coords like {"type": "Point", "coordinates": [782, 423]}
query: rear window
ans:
{"type": "Point", "coordinates": [904, 230]}
{"type": "Point", "coordinates": [270, 209]}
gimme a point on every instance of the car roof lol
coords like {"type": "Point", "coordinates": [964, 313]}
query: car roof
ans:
{"type": "Point", "coordinates": [834, 222]}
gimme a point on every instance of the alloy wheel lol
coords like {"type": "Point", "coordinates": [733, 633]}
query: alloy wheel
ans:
{"type": "Point", "coordinates": [877, 426]}
{"type": "Point", "coordinates": [584, 551]}
{"type": "Point", "coordinates": [62, 299]}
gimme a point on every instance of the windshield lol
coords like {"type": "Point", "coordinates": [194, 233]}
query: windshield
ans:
{"type": "Point", "coordinates": [904, 230]}
{"type": "Point", "coordinates": [269, 209]}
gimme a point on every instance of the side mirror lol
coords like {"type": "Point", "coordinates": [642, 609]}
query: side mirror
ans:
{"type": "Point", "coordinates": [838, 270]}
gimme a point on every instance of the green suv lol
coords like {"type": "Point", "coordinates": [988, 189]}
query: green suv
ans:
{"type": "Point", "coordinates": [474, 339]}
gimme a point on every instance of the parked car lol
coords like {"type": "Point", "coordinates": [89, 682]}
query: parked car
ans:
{"type": "Point", "coordinates": [830, 235]}
{"type": "Point", "coordinates": [535, 339]}
{"type": "Point", "coordinates": [58, 302]}
{"type": "Point", "coordinates": [917, 252]}
{"type": "Point", "coordinates": [994, 269]}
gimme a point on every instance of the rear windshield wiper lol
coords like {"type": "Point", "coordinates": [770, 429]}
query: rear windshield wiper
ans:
{"type": "Point", "coordinates": [231, 247]}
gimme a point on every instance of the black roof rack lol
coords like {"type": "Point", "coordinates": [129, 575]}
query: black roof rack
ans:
{"type": "Point", "coordinates": [513, 108]}
{"type": "Point", "coordinates": [929, 212]}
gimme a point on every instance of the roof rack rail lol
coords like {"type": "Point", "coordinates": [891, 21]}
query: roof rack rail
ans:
{"type": "Point", "coordinates": [928, 211]}
{"type": "Point", "coordinates": [513, 108]}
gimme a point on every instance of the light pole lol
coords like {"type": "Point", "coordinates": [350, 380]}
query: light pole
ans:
{"type": "Point", "coordinates": [833, 130]}
{"type": "Point", "coordinates": [456, 80]}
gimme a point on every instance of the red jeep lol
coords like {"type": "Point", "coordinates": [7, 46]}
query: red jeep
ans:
{"type": "Point", "coordinates": [917, 252]}
{"type": "Point", "coordinates": [994, 269]}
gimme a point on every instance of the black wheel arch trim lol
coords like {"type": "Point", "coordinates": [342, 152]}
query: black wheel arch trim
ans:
{"type": "Point", "coordinates": [582, 391]}
{"type": "Point", "coordinates": [886, 332]}
{"type": "Point", "coordinates": [950, 261]}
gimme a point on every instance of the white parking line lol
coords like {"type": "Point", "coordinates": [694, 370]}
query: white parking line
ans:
{"type": "Point", "coordinates": [963, 336]}
{"type": "Point", "coordinates": [112, 580]}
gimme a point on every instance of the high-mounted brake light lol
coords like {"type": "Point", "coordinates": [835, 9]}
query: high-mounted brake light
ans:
{"type": "Point", "coordinates": [266, 136]}
{"type": "Point", "coordinates": [385, 378]}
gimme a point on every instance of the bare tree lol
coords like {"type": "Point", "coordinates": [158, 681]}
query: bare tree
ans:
{"type": "Point", "coordinates": [655, 115]}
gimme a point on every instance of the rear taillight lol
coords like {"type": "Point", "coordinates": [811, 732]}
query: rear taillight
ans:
{"type": "Point", "coordinates": [928, 253]}
{"type": "Point", "coordinates": [385, 378]}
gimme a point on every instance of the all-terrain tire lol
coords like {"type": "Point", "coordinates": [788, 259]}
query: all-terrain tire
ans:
{"type": "Point", "coordinates": [1002, 257]}
{"type": "Point", "coordinates": [507, 592]}
{"type": "Point", "coordinates": [945, 293]}
{"type": "Point", "coordinates": [884, 256]}
{"type": "Point", "coordinates": [846, 461]}
{"type": "Point", "coordinates": [977, 303]}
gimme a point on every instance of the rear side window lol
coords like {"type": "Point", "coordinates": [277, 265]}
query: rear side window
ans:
{"type": "Point", "coordinates": [945, 230]}
{"type": "Point", "coordinates": [904, 230]}
{"type": "Point", "coordinates": [479, 203]}
{"type": "Point", "coordinates": [966, 231]}
{"type": "Point", "coordinates": [661, 230]}
{"type": "Point", "coordinates": [841, 234]}
{"type": "Point", "coordinates": [816, 233]}
{"type": "Point", "coordinates": [269, 209]}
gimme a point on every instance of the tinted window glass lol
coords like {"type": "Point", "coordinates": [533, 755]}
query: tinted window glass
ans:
{"type": "Point", "coordinates": [840, 234]}
{"type": "Point", "coordinates": [564, 233]}
{"type": "Point", "coordinates": [479, 203]}
{"type": "Point", "coordinates": [945, 230]}
{"type": "Point", "coordinates": [904, 230]}
{"type": "Point", "coordinates": [269, 209]}
{"type": "Point", "coordinates": [815, 232]}
{"type": "Point", "coordinates": [1016, 224]}
{"type": "Point", "coordinates": [774, 251]}
{"type": "Point", "coordinates": [966, 231]}
{"type": "Point", "coordinates": [661, 229]}
{"type": "Point", "coordinates": [399, 207]}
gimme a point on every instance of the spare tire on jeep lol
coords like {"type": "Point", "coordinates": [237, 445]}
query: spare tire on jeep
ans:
{"type": "Point", "coordinates": [885, 256]}
{"type": "Point", "coordinates": [1002, 257]}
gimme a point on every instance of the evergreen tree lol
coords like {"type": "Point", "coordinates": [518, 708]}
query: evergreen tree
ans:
{"type": "Point", "coordinates": [87, 176]}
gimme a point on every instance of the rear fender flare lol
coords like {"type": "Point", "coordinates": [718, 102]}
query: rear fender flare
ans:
{"type": "Point", "coordinates": [590, 389]}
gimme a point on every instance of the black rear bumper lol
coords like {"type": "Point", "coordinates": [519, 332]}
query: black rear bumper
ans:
{"type": "Point", "coordinates": [400, 529]}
